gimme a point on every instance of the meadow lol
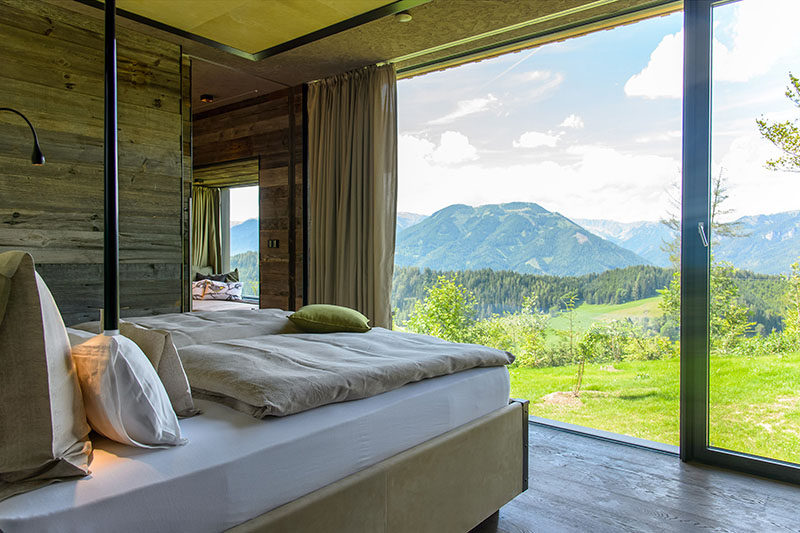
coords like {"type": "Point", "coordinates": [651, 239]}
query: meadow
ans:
{"type": "Point", "coordinates": [616, 366]}
{"type": "Point", "coordinates": [755, 401]}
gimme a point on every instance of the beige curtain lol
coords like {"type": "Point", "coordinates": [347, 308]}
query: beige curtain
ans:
{"type": "Point", "coordinates": [352, 169]}
{"type": "Point", "coordinates": [206, 236]}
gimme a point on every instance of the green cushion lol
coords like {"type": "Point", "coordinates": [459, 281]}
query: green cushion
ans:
{"type": "Point", "coordinates": [323, 318]}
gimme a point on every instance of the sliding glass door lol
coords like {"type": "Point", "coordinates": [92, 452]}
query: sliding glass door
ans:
{"type": "Point", "coordinates": [740, 282]}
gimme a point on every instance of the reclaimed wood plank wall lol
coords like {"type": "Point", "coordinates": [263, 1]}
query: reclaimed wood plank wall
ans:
{"type": "Point", "coordinates": [269, 127]}
{"type": "Point", "coordinates": [51, 69]}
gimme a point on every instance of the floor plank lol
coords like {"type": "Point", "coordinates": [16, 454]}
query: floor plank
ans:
{"type": "Point", "coordinates": [582, 484]}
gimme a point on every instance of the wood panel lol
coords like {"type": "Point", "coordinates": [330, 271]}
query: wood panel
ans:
{"type": "Point", "coordinates": [232, 174]}
{"type": "Point", "coordinates": [52, 71]}
{"type": "Point", "coordinates": [270, 128]}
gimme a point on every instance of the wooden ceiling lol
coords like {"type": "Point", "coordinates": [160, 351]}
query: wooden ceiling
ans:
{"type": "Point", "coordinates": [442, 33]}
{"type": "Point", "coordinates": [251, 25]}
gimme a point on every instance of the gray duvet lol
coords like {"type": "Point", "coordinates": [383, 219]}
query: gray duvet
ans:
{"type": "Point", "coordinates": [256, 362]}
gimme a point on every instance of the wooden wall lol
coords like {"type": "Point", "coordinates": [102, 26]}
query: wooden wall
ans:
{"type": "Point", "coordinates": [268, 127]}
{"type": "Point", "coordinates": [51, 69]}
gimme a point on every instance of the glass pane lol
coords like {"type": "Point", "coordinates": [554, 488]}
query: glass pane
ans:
{"type": "Point", "coordinates": [244, 237]}
{"type": "Point", "coordinates": [755, 230]}
{"type": "Point", "coordinates": [535, 215]}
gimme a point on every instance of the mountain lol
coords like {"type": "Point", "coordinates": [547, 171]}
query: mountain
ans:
{"type": "Point", "coordinates": [244, 236]}
{"type": "Point", "coordinates": [523, 237]}
{"type": "Point", "coordinates": [644, 238]}
{"type": "Point", "coordinates": [770, 243]}
{"type": "Point", "coordinates": [404, 220]}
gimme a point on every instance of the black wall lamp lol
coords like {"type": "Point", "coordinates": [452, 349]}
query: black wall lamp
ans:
{"type": "Point", "coordinates": [37, 157]}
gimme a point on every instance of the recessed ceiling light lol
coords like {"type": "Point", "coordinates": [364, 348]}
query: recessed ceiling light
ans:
{"type": "Point", "coordinates": [403, 16]}
{"type": "Point", "coordinates": [207, 98]}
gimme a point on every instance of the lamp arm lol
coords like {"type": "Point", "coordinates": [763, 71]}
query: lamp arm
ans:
{"type": "Point", "coordinates": [37, 158]}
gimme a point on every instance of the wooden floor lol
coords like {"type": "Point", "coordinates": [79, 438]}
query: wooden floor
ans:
{"type": "Point", "coordinates": [578, 483]}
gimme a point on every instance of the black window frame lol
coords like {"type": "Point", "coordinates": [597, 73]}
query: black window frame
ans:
{"type": "Point", "coordinates": [696, 257]}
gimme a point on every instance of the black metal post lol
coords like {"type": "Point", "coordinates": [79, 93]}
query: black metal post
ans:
{"type": "Point", "coordinates": [111, 241]}
{"type": "Point", "coordinates": [696, 200]}
{"type": "Point", "coordinates": [306, 244]}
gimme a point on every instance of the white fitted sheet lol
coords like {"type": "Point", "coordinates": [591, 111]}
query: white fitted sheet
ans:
{"type": "Point", "coordinates": [236, 467]}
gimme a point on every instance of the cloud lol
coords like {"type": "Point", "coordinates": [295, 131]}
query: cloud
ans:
{"type": "Point", "coordinates": [536, 84]}
{"type": "Point", "coordinates": [752, 188]}
{"type": "Point", "coordinates": [572, 121]}
{"type": "Point", "coordinates": [454, 147]}
{"type": "Point", "coordinates": [535, 139]}
{"type": "Point", "coordinates": [465, 108]}
{"type": "Point", "coordinates": [756, 40]}
{"type": "Point", "coordinates": [761, 35]}
{"type": "Point", "coordinates": [670, 135]}
{"type": "Point", "coordinates": [663, 75]}
{"type": "Point", "coordinates": [600, 182]}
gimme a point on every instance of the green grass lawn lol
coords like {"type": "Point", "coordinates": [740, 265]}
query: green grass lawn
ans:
{"type": "Point", "coordinates": [755, 402]}
{"type": "Point", "coordinates": [588, 314]}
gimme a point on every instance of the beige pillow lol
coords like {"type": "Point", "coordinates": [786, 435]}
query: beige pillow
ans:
{"type": "Point", "coordinates": [44, 436]}
{"type": "Point", "coordinates": [157, 345]}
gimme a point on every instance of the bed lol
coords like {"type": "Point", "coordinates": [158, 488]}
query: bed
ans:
{"type": "Point", "coordinates": [222, 305]}
{"type": "Point", "coordinates": [440, 454]}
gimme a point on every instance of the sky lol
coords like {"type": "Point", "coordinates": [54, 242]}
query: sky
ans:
{"type": "Point", "coordinates": [591, 127]}
{"type": "Point", "coordinates": [244, 204]}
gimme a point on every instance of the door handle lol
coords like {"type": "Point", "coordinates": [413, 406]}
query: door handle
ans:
{"type": "Point", "coordinates": [702, 230]}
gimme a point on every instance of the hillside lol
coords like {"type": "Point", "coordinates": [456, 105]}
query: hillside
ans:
{"type": "Point", "coordinates": [247, 264]}
{"type": "Point", "coordinates": [644, 238]}
{"type": "Point", "coordinates": [499, 292]}
{"type": "Point", "coordinates": [523, 237]}
{"type": "Point", "coordinates": [769, 244]}
{"type": "Point", "coordinates": [405, 220]}
{"type": "Point", "coordinates": [244, 237]}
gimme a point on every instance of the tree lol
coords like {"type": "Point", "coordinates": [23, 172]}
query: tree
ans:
{"type": "Point", "coordinates": [568, 300]}
{"type": "Point", "coordinates": [521, 333]}
{"type": "Point", "coordinates": [719, 194]}
{"type": "Point", "coordinates": [785, 135]}
{"type": "Point", "coordinates": [792, 318]}
{"type": "Point", "coordinates": [729, 321]}
{"type": "Point", "coordinates": [448, 312]}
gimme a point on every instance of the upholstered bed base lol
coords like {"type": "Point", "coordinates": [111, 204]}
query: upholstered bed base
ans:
{"type": "Point", "coordinates": [448, 484]}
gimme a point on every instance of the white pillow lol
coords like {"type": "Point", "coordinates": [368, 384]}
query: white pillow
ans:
{"type": "Point", "coordinates": [124, 397]}
{"type": "Point", "coordinates": [159, 349]}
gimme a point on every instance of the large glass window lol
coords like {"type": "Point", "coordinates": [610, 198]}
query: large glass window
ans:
{"type": "Point", "coordinates": [754, 379]}
{"type": "Point", "coordinates": [738, 369]}
{"type": "Point", "coordinates": [539, 210]}
{"type": "Point", "coordinates": [242, 245]}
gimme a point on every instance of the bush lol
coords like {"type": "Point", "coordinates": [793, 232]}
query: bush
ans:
{"type": "Point", "coordinates": [447, 312]}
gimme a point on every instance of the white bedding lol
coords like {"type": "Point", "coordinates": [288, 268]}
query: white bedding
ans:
{"type": "Point", "coordinates": [221, 305]}
{"type": "Point", "coordinates": [236, 467]}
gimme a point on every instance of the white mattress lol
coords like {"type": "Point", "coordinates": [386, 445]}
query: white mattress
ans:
{"type": "Point", "coordinates": [236, 467]}
{"type": "Point", "coordinates": [221, 305]}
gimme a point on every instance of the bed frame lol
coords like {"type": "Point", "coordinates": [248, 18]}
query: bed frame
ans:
{"type": "Point", "coordinates": [448, 484]}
